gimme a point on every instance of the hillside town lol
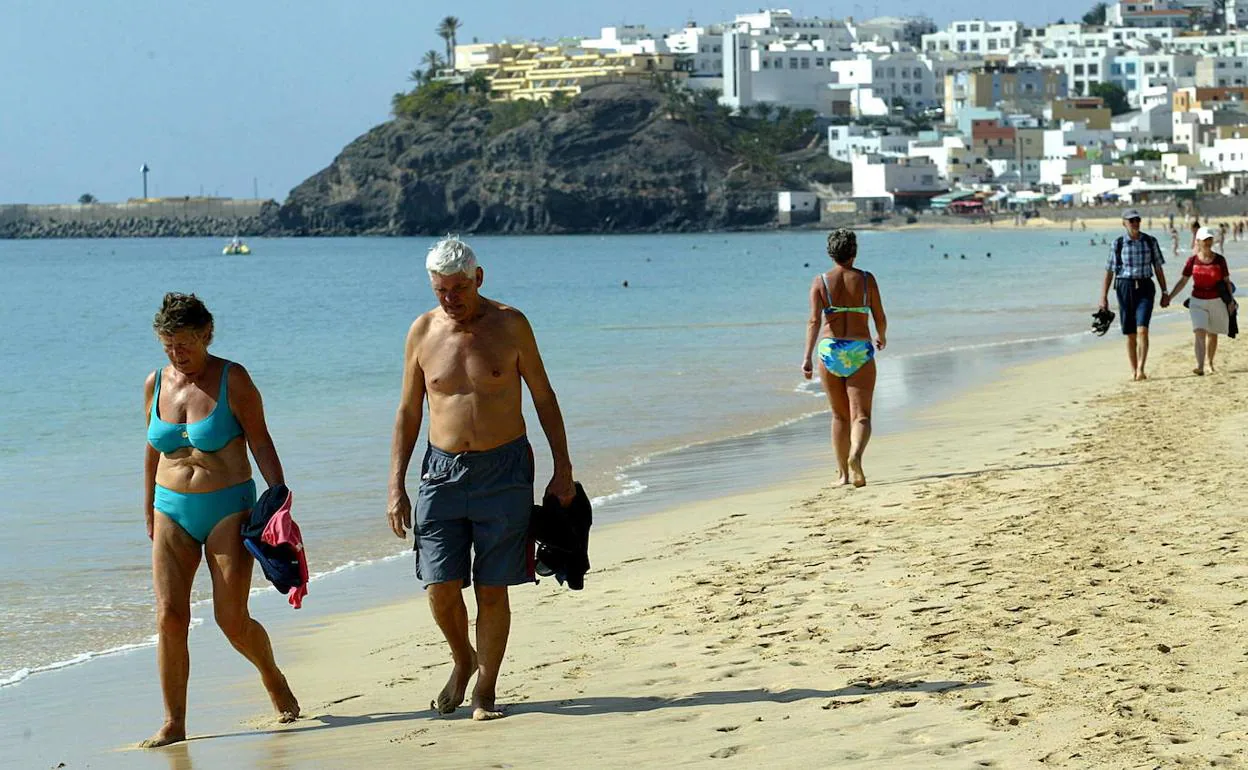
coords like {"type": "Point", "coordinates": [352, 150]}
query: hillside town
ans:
{"type": "Point", "coordinates": [1140, 101]}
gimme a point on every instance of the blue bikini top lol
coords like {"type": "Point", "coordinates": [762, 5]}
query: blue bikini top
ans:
{"type": "Point", "coordinates": [210, 434]}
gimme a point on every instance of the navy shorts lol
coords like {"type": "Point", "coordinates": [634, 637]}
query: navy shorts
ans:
{"type": "Point", "coordinates": [1135, 303]}
{"type": "Point", "coordinates": [472, 516]}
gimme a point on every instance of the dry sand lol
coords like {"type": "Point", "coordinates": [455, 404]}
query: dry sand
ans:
{"type": "Point", "coordinates": [1047, 570]}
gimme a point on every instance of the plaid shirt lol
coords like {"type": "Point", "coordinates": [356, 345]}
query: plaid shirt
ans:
{"type": "Point", "coordinates": [1139, 257]}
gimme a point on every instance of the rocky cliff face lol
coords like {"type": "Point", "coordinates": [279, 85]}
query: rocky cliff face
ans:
{"type": "Point", "coordinates": [614, 162]}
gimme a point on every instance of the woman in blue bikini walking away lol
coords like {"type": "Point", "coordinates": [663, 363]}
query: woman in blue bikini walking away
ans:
{"type": "Point", "coordinates": [840, 302]}
{"type": "Point", "coordinates": [204, 413]}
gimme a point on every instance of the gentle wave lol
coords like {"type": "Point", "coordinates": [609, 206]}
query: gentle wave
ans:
{"type": "Point", "coordinates": [22, 674]}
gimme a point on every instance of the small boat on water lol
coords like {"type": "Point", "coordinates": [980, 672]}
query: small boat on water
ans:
{"type": "Point", "coordinates": [236, 246]}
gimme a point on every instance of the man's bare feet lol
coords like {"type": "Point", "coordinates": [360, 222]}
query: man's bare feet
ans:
{"type": "Point", "coordinates": [855, 471]}
{"type": "Point", "coordinates": [170, 732]}
{"type": "Point", "coordinates": [484, 708]}
{"type": "Point", "coordinates": [1141, 376]}
{"type": "Point", "coordinates": [284, 702]}
{"type": "Point", "coordinates": [1198, 372]}
{"type": "Point", "coordinates": [452, 694]}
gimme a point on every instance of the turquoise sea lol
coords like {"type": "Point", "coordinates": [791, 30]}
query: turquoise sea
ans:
{"type": "Point", "coordinates": [683, 384]}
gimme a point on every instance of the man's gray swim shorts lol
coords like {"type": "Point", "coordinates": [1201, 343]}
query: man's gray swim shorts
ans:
{"type": "Point", "coordinates": [478, 501]}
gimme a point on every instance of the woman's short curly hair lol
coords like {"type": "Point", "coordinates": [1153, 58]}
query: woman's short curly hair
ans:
{"type": "Point", "coordinates": [842, 245]}
{"type": "Point", "coordinates": [179, 312]}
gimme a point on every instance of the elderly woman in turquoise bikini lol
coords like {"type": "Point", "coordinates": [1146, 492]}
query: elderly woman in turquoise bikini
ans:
{"type": "Point", "coordinates": [841, 301]}
{"type": "Point", "coordinates": [204, 413]}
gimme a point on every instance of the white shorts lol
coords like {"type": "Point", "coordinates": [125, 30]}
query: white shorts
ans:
{"type": "Point", "coordinates": [1209, 315]}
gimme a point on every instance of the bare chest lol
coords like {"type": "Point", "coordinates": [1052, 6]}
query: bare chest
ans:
{"type": "Point", "coordinates": [466, 363]}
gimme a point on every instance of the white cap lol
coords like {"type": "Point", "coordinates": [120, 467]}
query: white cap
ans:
{"type": "Point", "coordinates": [1204, 234]}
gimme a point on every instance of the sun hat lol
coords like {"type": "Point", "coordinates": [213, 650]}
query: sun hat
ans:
{"type": "Point", "coordinates": [1204, 234]}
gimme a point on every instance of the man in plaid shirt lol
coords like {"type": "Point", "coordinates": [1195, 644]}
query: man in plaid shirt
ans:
{"type": "Point", "coordinates": [1133, 260]}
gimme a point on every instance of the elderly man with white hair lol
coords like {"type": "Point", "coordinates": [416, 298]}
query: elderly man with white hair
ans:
{"type": "Point", "coordinates": [468, 357]}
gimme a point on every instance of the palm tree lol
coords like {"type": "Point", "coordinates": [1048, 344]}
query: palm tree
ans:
{"type": "Point", "coordinates": [417, 77]}
{"type": "Point", "coordinates": [446, 30]}
{"type": "Point", "coordinates": [433, 62]}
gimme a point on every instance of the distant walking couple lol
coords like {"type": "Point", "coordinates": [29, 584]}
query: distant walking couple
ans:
{"type": "Point", "coordinates": [1134, 260]}
{"type": "Point", "coordinates": [468, 357]}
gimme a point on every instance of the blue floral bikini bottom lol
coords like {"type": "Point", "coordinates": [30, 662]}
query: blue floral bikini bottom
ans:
{"type": "Point", "coordinates": [843, 358]}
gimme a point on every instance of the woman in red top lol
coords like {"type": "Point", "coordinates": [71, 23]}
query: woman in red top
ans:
{"type": "Point", "coordinates": [1210, 315]}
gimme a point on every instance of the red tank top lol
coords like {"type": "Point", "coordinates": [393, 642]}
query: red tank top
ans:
{"type": "Point", "coordinates": [1205, 275]}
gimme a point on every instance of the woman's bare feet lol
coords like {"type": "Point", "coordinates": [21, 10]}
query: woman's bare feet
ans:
{"type": "Point", "coordinates": [452, 694]}
{"type": "Point", "coordinates": [855, 472]}
{"type": "Point", "coordinates": [284, 702]}
{"type": "Point", "coordinates": [842, 478]}
{"type": "Point", "coordinates": [170, 732]}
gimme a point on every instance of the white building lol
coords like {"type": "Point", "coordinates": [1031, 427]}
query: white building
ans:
{"type": "Point", "coordinates": [878, 85]}
{"type": "Point", "coordinates": [1226, 155]}
{"type": "Point", "coordinates": [894, 179]}
{"type": "Point", "coordinates": [1147, 13]}
{"type": "Point", "coordinates": [846, 141]}
{"type": "Point", "coordinates": [780, 25]}
{"type": "Point", "coordinates": [630, 38]}
{"type": "Point", "coordinates": [703, 45]}
{"type": "Point", "coordinates": [1055, 172]}
{"type": "Point", "coordinates": [975, 36]}
{"type": "Point", "coordinates": [796, 75]}
{"type": "Point", "coordinates": [1211, 45]}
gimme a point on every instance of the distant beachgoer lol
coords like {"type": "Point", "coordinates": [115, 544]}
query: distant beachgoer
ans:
{"type": "Point", "coordinates": [204, 413]}
{"type": "Point", "coordinates": [1083, 225]}
{"type": "Point", "coordinates": [470, 358]}
{"type": "Point", "coordinates": [1222, 237]}
{"type": "Point", "coordinates": [1133, 260]}
{"type": "Point", "coordinates": [1174, 239]}
{"type": "Point", "coordinates": [1210, 314]}
{"type": "Point", "coordinates": [1194, 226]}
{"type": "Point", "coordinates": [843, 302]}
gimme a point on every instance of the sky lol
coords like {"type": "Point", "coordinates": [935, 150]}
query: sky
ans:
{"type": "Point", "coordinates": [222, 97]}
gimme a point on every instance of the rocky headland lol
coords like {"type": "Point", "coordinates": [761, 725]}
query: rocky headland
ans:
{"type": "Point", "coordinates": [618, 158]}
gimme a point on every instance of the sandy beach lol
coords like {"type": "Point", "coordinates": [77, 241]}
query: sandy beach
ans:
{"type": "Point", "coordinates": [1046, 570]}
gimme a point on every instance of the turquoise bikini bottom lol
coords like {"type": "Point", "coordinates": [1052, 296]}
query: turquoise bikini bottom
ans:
{"type": "Point", "coordinates": [843, 358]}
{"type": "Point", "coordinates": [198, 512]}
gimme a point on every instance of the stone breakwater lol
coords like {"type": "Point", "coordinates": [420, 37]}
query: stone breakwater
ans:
{"type": "Point", "coordinates": [140, 227]}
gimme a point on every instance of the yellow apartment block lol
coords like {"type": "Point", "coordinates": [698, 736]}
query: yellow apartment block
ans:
{"type": "Point", "coordinates": [539, 72]}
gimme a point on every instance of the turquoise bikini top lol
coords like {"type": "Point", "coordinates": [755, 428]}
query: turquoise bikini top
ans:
{"type": "Point", "coordinates": [866, 297]}
{"type": "Point", "coordinates": [210, 434]}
